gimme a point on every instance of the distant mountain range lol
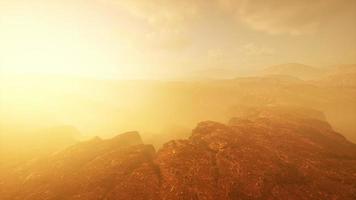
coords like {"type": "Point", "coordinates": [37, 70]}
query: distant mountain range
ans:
{"type": "Point", "coordinates": [297, 70]}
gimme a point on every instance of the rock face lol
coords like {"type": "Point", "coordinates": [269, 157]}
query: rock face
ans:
{"type": "Point", "coordinates": [262, 158]}
{"type": "Point", "coordinates": [97, 169]}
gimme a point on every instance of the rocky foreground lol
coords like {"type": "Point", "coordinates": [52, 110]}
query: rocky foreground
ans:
{"type": "Point", "coordinates": [266, 157]}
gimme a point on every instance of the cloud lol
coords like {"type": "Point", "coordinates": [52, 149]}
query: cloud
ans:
{"type": "Point", "coordinates": [168, 21]}
{"type": "Point", "coordinates": [252, 49]}
{"type": "Point", "coordinates": [273, 16]}
{"type": "Point", "coordinates": [247, 53]}
{"type": "Point", "coordinates": [169, 39]}
{"type": "Point", "coordinates": [287, 16]}
{"type": "Point", "coordinates": [174, 25]}
{"type": "Point", "coordinates": [163, 13]}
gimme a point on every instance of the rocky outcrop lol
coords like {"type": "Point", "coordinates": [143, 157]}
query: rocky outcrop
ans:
{"type": "Point", "coordinates": [96, 169]}
{"type": "Point", "coordinates": [265, 157]}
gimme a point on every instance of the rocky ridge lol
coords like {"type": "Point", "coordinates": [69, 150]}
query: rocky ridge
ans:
{"type": "Point", "coordinates": [270, 156]}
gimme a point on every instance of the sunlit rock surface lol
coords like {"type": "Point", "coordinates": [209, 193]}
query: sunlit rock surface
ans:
{"type": "Point", "coordinates": [267, 156]}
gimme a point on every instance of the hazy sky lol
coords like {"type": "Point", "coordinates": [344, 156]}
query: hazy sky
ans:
{"type": "Point", "coordinates": [160, 38]}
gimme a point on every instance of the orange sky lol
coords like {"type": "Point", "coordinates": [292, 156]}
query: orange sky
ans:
{"type": "Point", "coordinates": [163, 38]}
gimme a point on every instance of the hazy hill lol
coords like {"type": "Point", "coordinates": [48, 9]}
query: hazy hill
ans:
{"type": "Point", "coordinates": [301, 71]}
{"type": "Point", "coordinates": [105, 107]}
{"type": "Point", "coordinates": [342, 69]}
{"type": "Point", "coordinates": [347, 80]}
{"type": "Point", "coordinates": [342, 76]}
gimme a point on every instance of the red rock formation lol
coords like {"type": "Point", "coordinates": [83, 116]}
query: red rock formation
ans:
{"type": "Point", "coordinates": [289, 157]}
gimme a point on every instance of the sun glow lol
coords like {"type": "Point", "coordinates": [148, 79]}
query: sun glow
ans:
{"type": "Point", "coordinates": [38, 42]}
